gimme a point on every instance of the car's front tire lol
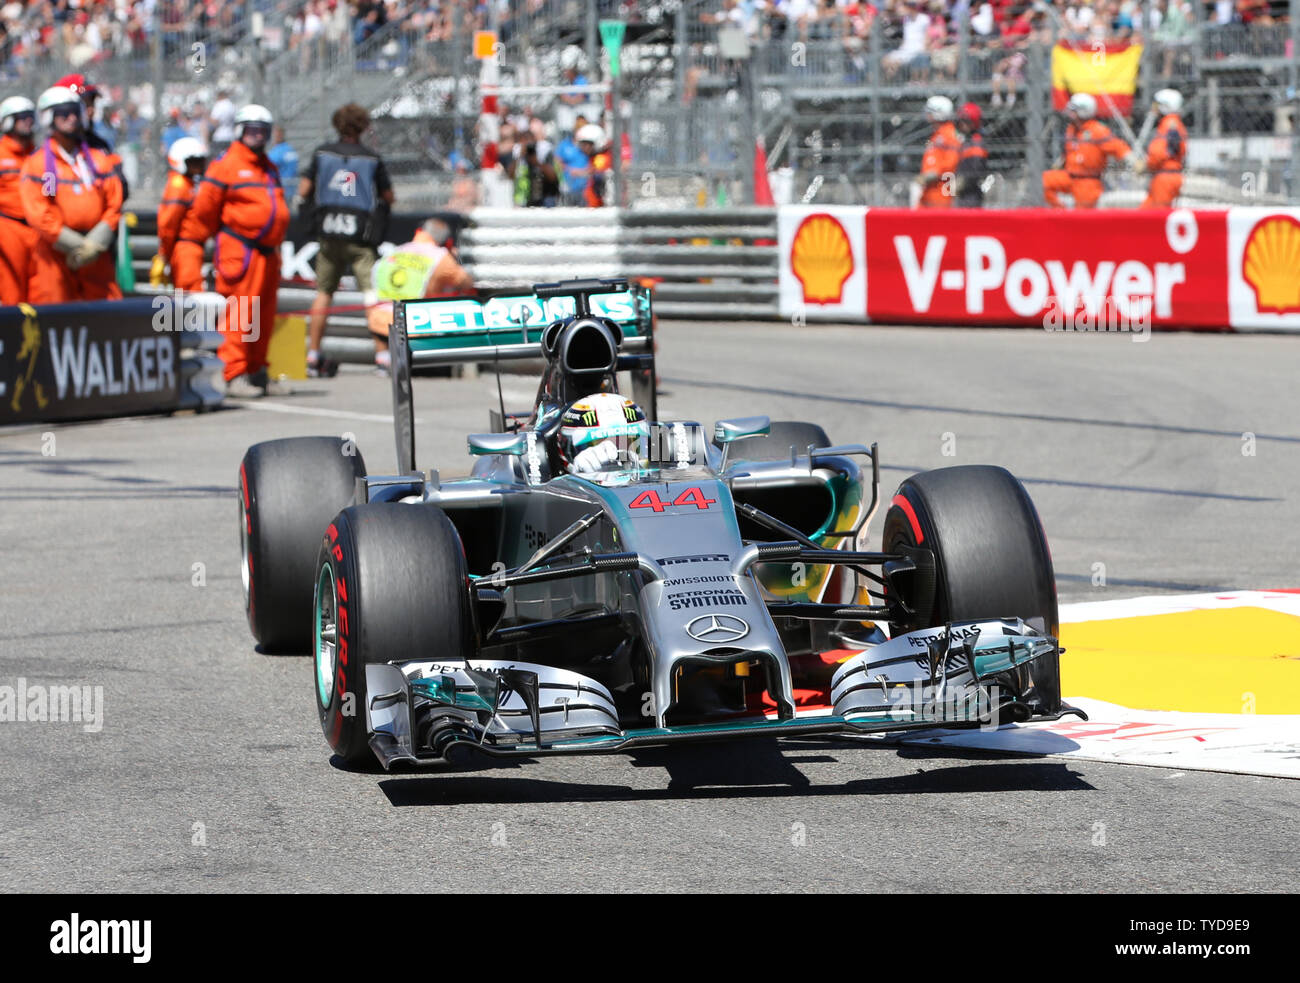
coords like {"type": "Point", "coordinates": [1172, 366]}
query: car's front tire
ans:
{"type": "Point", "coordinates": [991, 555]}
{"type": "Point", "coordinates": [288, 492]}
{"type": "Point", "coordinates": [391, 586]}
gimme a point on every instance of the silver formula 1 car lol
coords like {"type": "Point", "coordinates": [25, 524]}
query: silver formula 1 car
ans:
{"type": "Point", "coordinates": [716, 584]}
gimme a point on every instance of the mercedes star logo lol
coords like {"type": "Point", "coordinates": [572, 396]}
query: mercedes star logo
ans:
{"type": "Point", "coordinates": [717, 628]}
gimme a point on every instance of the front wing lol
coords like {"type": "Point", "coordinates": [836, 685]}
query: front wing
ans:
{"type": "Point", "coordinates": [420, 713]}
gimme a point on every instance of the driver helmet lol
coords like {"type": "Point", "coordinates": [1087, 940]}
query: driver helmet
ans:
{"type": "Point", "coordinates": [603, 432]}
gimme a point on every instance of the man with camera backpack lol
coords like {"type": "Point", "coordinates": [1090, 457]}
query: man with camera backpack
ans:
{"type": "Point", "coordinates": [348, 191]}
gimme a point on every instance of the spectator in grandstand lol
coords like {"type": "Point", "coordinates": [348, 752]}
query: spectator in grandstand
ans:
{"type": "Point", "coordinates": [982, 24]}
{"type": "Point", "coordinates": [365, 23]}
{"type": "Point", "coordinates": [936, 181]}
{"type": "Point", "coordinates": [308, 35]}
{"type": "Point", "coordinates": [338, 27]}
{"type": "Point", "coordinates": [1124, 19]}
{"type": "Point", "coordinates": [240, 203]}
{"type": "Point", "coordinates": [973, 163]}
{"type": "Point", "coordinates": [911, 54]}
{"type": "Point", "coordinates": [464, 189]}
{"type": "Point", "coordinates": [18, 240]}
{"type": "Point", "coordinates": [1089, 145]}
{"type": "Point", "coordinates": [283, 156]}
{"type": "Point", "coordinates": [1175, 34]}
{"type": "Point", "coordinates": [569, 105]}
{"type": "Point", "coordinates": [532, 168]}
{"type": "Point", "coordinates": [1165, 153]}
{"type": "Point", "coordinates": [424, 267]}
{"type": "Point", "coordinates": [187, 159]}
{"type": "Point", "coordinates": [940, 42]}
{"type": "Point", "coordinates": [72, 196]}
{"type": "Point", "coordinates": [221, 122]}
{"type": "Point", "coordinates": [1078, 20]}
{"type": "Point", "coordinates": [572, 165]}
{"type": "Point", "coordinates": [1029, 26]}
{"type": "Point", "coordinates": [350, 194]}
{"type": "Point", "coordinates": [1254, 12]}
{"type": "Point", "coordinates": [594, 146]}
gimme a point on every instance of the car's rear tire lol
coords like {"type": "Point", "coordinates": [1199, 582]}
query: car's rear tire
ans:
{"type": "Point", "coordinates": [991, 555]}
{"type": "Point", "coordinates": [288, 492]}
{"type": "Point", "coordinates": [775, 445]}
{"type": "Point", "coordinates": [392, 580]}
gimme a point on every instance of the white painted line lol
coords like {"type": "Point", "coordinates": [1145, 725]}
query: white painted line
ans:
{"type": "Point", "coordinates": [316, 411]}
{"type": "Point", "coordinates": [1284, 602]}
{"type": "Point", "coordinates": [1243, 744]}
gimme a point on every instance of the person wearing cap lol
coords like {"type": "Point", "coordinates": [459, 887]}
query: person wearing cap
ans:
{"type": "Point", "coordinates": [1089, 146]}
{"type": "Point", "coordinates": [188, 159]}
{"type": "Point", "coordinates": [973, 162]}
{"type": "Point", "coordinates": [572, 166]}
{"type": "Point", "coordinates": [241, 207]}
{"type": "Point", "coordinates": [1165, 152]}
{"type": "Point", "coordinates": [283, 155]}
{"type": "Point", "coordinates": [942, 155]}
{"type": "Point", "coordinates": [18, 240]}
{"type": "Point", "coordinates": [72, 196]}
{"type": "Point", "coordinates": [350, 195]}
{"type": "Point", "coordinates": [424, 267]}
{"type": "Point", "coordinates": [96, 138]}
{"type": "Point", "coordinates": [175, 128]}
{"type": "Point", "coordinates": [592, 143]}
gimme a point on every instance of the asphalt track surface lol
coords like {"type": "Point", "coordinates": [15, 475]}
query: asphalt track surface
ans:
{"type": "Point", "coordinates": [210, 772]}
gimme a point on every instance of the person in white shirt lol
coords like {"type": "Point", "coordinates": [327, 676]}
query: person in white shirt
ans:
{"type": "Point", "coordinates": [911, 53]}
{"type": "Point", "coordinates": [222, 121]}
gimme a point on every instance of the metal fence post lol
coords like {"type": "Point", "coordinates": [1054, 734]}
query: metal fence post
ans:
{"type": "Point", "coordinates": [1293, 165]}
{"type": "Point", "coordinates": [156, 154]}
{"type": "Point", "coordinates": [1035, 157]}
{"type": "Point", "coordinates": [593, 47]}
{"type": "Point", "coordinates": [877, 167]}
{"type": "Point", "coordinates": [679, 71]}
{"type": "Point", "coordinates": [963, 47]}
{"type": "Point", "coordinates": [1148, 53]}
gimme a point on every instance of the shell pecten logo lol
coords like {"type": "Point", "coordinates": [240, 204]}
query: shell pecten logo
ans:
{"type": "Point", "coordinates": [1270, 263]}
{"type": "Point", "coordinates": [821, 256]}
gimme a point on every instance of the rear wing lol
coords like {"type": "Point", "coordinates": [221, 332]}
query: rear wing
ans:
{"type": "Point", "coordinates": [506, 324]}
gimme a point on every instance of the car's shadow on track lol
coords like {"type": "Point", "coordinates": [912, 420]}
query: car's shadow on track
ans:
{"type": "Point", "coordinates": [743, 769]}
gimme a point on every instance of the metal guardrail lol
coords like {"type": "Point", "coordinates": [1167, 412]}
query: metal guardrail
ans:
{"type": "Point", "coordinates": [715, 264]}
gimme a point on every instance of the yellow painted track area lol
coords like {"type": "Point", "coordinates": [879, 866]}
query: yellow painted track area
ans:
{"type": "Point", "coordinates": [1207, 661]}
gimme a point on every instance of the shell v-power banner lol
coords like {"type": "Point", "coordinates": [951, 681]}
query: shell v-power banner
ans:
{"type": "Point", "coordinates": [1236, 269]}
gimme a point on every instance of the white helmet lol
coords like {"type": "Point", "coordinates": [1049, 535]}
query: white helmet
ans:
{"type": "Point", "coordinates": [592, 132]}
{"type": "Point", "coordinates": [12, 107]}
{"type": "Point", "coordinates": [252, 113]}
{"type": "Point", "coordinates": [1082, 105]}
{"type": "Point", "coordinates": [1169, 101]}
{"type": "Point", "coordinates": [185, 149]}
{"type": "Point", "coordinates": [938, 109]}
{"type": "Point", "coordinates": [55, 97]}
{"type": "Point", "coordinates": [601, 432]}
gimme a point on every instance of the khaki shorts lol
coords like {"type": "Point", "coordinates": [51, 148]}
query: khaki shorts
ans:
{"type": "Point", "coordinates": [336, 257]}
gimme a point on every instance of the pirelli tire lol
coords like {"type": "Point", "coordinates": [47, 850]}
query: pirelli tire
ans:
{"type": "Point", "coordinates": [391, 585]}
{"type": "Point", "coordinates": [288, 492]}
{"type": "Point", "coordinates": [991, 555]}
{"type": "Point", "coordinates": [776, 443]}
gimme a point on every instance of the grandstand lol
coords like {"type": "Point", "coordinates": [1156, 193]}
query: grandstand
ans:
{"type": "Point", "coordinates": [832, 89]}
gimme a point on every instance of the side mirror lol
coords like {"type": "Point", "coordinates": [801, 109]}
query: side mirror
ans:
{"type": "Point", "coordinates": [513, 444]}
{"type": "Point", "coordinates": [726, 431]}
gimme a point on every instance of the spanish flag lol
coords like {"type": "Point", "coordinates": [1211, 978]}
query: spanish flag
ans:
{"type": "Point", "coordinates": [1099, 69]}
